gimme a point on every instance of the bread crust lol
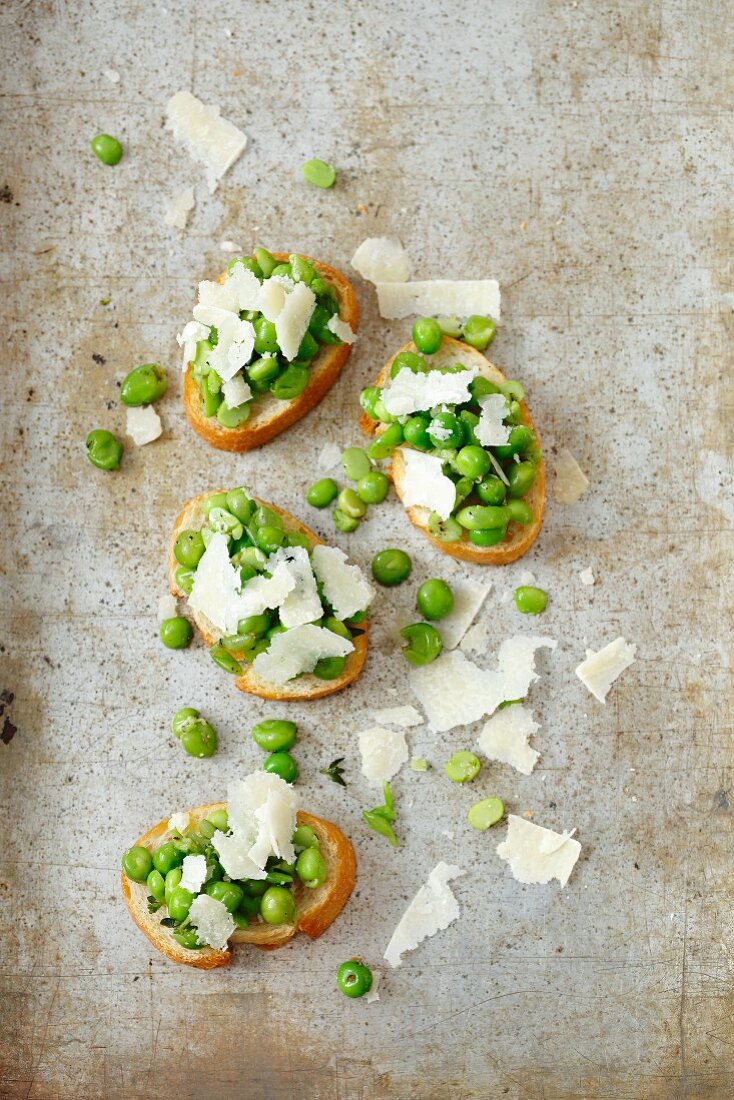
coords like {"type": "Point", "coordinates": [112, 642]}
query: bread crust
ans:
{"type": "Point", "coordinates": [520, 538]}
{"type": "Point", "coordinates": [270, 417]}
{"type": "Point", "coordinates": [315, 909]}
{"type": "Point", "coordinates": [305, 687]}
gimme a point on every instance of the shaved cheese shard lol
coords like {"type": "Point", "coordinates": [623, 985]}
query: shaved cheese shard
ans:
{"type": "Point", "coordinates": [433, 908]}
{"type": "Point", "coordinates": [167, 607]}
{"type": "Point", "coordinates": [302, 604]}
{"type": "Point", "coordinates": [439, 297]}
{"type": "Point", "coordinates": [245, 287]}
{"type": "Point", "coordinates": [599, 671]}
{"type": "Point", "coordinates": [535, 854]}
{"type": "Point", "coordinates": [491, 431]}
{"type": "Point", "coordinates": [215, 295]}
{"type": "Point", "coordinates": [476, 639]}
{"type": "Point", "coordinates": [345, 586]}
{"type": "Point", "coordinates": [179, 822]}
{"type": "Point", "coordinates": [272, 299]}
{"type": "Point", "coordinates": [232, 852]}
{"type": "Point", "coordinates": [382, 260]}
{"type": "Point", "coordinates": [586, 576]}
{"type": "Point", "coordinates": [229, 246]}
{"type": "Point", "coordinates": [410, 392]}
{"type": "Point", "coordinates": [373, 994]}
{"type": "Point", "coordinates": [425, 485]}
{"type": "Point", "coordinates": [212, 920]}
{"type": "Point", "coordinates": [342, 329]}
{"type": "Point", "coordinates": [570, 480]}
{"type": "Point", "coordinates": [236, 392]}
{"type": "Point", "coordinates": [216, 588]}
{"type": "Point", "coordinates": [193, 873]}
{"type": "Point", "coordinates": [264, 593]}
{"type": "Point", "coordinates": [178, 208]}
{"type": "Point", "coordinates": [454, 691]}
{"type": "Point", "coordinates": [292, 320]}
{"type": "Point", "coordinates": [143, 424]}
{"type": "Point", "coordinates": [329, 456]}
{"type": "Point", "coordinates": [262, 818]}
{"type": "Point", "coordinates": [383, 753]}
{"type": "Point", "coordinates": [188, 339]}
{"type": "Point", "coordinates": [235, 343]}
{"type": "Point", "coordinates": [505, 738]}
{"type": "Point", "coordinates": [403, 717]}
{"type": "Point", "coordinates": [469, 596]}
{"type": "Point", "coordinates": [298, 650]}
{"type": "Point", "coordinates": [210, 139]}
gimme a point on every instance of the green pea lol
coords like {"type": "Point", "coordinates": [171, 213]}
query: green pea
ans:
{"type": "Point", "coordinates": [254, 624]}
{"type": "Point", "coordinates": [329, 668]}
{"type": "Point", "coordinates": [367, 399]}
{"type": "Point", "coordinates": [530, 600]}
{"type": "Point", "coordinates": [248, 263]}
{"type": "Point", "coordinates": [322, 492]}
{"type": "Point", "coordinates": [187, 938]}
{"type": "Point", "coordinates": [427, 335]}
{"type": "Point", "coordinates": [282, 764]}
{"type": "Point", "coordinates": [238, 644]}
{"type": "Point", "coordinates": [249, 909]}
{"type": "Point", "coordinates": [206, 829]}
{"type": "Point", "coordinates": [384, 445]}
{"type": "Point", "coordinates": [103, 450]}
{"type": "Point", "coordinates": [473, 462]}
{"type": "Point", "coordinates": [275, 734]}
{"type": "Point", "coordinates": [156, 884]}
{"type": "Point", "coordinates": [199, 739]}
{"type": "Point", "coordinates": [519, 512]}
{"type": "Point", "coordinates": [463, 488]}
{"type": "Point", "coordinates": [521, 439]}
{"type": "Point", "coordinates": [278, 906]}
{"type": "Point", "coordinates": [434, 599]}
{"type": "Point", "coordinates": [424, 644]}
{"type": "Point", "coordinates": [491, 490]}
{"type": "Point", "coordinates": [176, 633]}
{"type": "Point", "coordinates": [336, 626]}
{"type": "Point", "coordinates": [297, 538]}
{"type": "Point", "coordinates": [351, 504]}
{"type": "Point", "coordinates": [319, 173]}
{"type": "Point", "coordinates": [248, 558]}
{"type": "Point", "coordinates": [184, 579]}
{"type": "Point", "coordinates": [262, 372]}
{"type": "Point", "coordinates": [265, 261]}
{"type": "Point", "coordinates": [307, 348]}
{"type": "Point", "coordinates": [254, 888]}
{"type": "Point", "coordinates": [408, 360]}
{"type": "Point", "coordinates": [488, 537]}
{"type": "Point", "coordinates": [137, 863]}
{"type": "Point", "coordinates": [311, 868]}
{"type": "Point", "coordinates": [179, 903]}
{"type": "Point", "coordinates": [215, 500]}
{"type": "Point", "coordinates": [513, 390]}
{"type": "Point", "coordinates": [479, 331]}
{"type": "Point", "coordinates": [354, 979]}
{"type": "Point", "coordinates": [483, 815]}
{"type": "Point", "coordinates": [318, 325]}
{"type": "Point", "coordinates": [282, 269]}
{"type": "Point", "coordinates": [390, 567]}
{"type": "Point", "coordinates": [107, 149]}
{"type": "Point", "coordinates": [211, 396]}
{"type": "Point", "coordinates": [446, 430]}
{"type": "Point", "coordinates": [356, 463]}
{"type": "Point", "coordinates": [143, 385]}
{"type": "Point", "coordinates": [343, 522]}
{"type": "Point", "coordinates": [373, 487]}
{"type": "Point", "coordinates": [172, 879]}
{"type": "Point", "coordinates": [470, 421]}
{"type": "Point", "coordinates": [188, 549]}
{"type": "Point", "coordinates": [166, 858]}
{"type": "Point", "coordinates": [229, 893]}
{"type": "Point", "coordinates": [181, 719]}
{"type": "Point", "coordinates": [478, 517]}
{"type": "Point", "coordinates": [462, 767]}
{"type": "Point", "coordinates": [290, 383]}
{"type": "Point", "coordinates": [269, 538]}
{"type": "Point", "coordinates": [305, 837]}
{"type": "Point", "coordinates": [303, 271]}
{"type": "Point", "coordinates": [521, 476]}
{"type": "Point", "coordinates": [240, 504]}
{"type": "Point", "coordinates": [265, 337]}
{"type": "Point", "coordinates": [225, 523]}
{"type": "Point", "coordinates": [450, 326]}
{"type": "Point", "coordinates": [445, 530]}
{"type": "Point", "coordinates": [219, 819]}
{"type": "Point", "coordinates": [481, 386]}
{"type": "Point", "coordinates": [232, 418]}
{"type": "Point", "coordinates": [382, 414]}
{"type": "Point", "coordinates": [415, 432]}
{"type": "Point", "coordinates": [225, 660]}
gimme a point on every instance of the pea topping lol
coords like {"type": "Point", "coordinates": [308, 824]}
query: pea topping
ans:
{"type": "Point", "coordinates": [181, 718]}
{"type": "Point", "coordinates": [143, 385]}
{"type": "Point", "coordinates": [424, 644]}
{"type": "Point", "coordinates": [274, 735]}
{"type": "Point", "coordinates": [462, 767]}
{"type": "Point", "coordinates": [330, 668]}
{"type": "Point", "coordinates": [278, 906]}
{"type": "Point", "coordinates": [219, 819]}
{"type": "Point", "coordinates": [391, 567]}
{"type": "Point", "coordinates": [176, 633]}
{"type": "Point", "coordinates": [367, 399]}
{"type": "Point", "coordinates": [184, 579]}
{"type": "Point", "coordinates": [188, 548]}
{"type": "Point", "coordinates": [198, 738]}
{"type": "Point", "coordinates": [171, 879]}
{"type": "Point", "coordinates": [166, 858]}
{"type": "Point", "coordinates": [489, 537]}
{"type": "Point", "coordinates": [415, 432]}
{"type": "Point", "coordinates": [137, 863]}
{"type": "Point", "coordinates": [222, 657]}
{"type": "Point", "coordinates": [446, 430]}
{"type": "Point", "coordinates": [479, 331]}
{"type": "Point", "coordinates": [354, 979]}
{"type": "Point", "coordinates": [311, 868]}
{"type": "Point", "coordinates": [322, 492]}
{"type": "Point", "coordinates": [156, 884]}
{"type": "Point", "coordinates": [384, 445]}
{"type": "Point", "coordinates": [530, 600]}
{"type": "Point", "coordinates": [519, 512]}
{"type": "Point", "coordinates": [356, 463]}
{"type": "Point", "coordinates": [473, 461]}
{"type": "Point", "coordinates": [305, 837]}
{"type": "Point", "coordinates": [485, 814]}
{"type": "Point", "coordinates": [319, 173]}
{"type": "Point", "coordinates": [103, 450]}
{"type": "Point", "coordinates": [521, 440]}
{"type": "Point", "coordinates": [282, 764]}
{"type": "Point", "coordinates": [427, 335]}
{"type": "Point", "coordinates": [107, 149]}
{"type": "Point", "coordinates": [229, 893]}
{"type": "Point", "coordinates": [434, 599]}
{"type": "Point", "coordinates": [477, 517]}
{"type": "Point", "coordinates": [445, 530]}
{"type": "Point", "coordinates": [254, 624]}
{"type": "Point", "coordinates": [521, 476]}
{"type": "Point", "coordinates": [491, 490]}
{"type": "Point", "coordinates": [408, 360]}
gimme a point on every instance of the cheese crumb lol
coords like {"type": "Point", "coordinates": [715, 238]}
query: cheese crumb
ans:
{"type": "Point", "coordinates": [599, 671]}
{"type": "Point", "coordinates": [230, 246]}
{"type": "Point", "coordinates": [167, 607]}
{"type": "Point", "coordinates": [505, 738]}
{"type": "Point", "coordinates": [212, 920]}
{"type": "Point", "coordinates": [535, 854]}
{"type": "Point", "coordinates": [432, 909]}
{"type": "Point", "coordinates": [383, 753]}
{"type": "Point", "coordinates": [329, 456]}
{"type": "Point", "coordinates": [178, 208]}
{"type": "Point", "coordinates": [570, 480]}
{"type": "Point", "coordinates": [210, 139]}
{"type": "Point", "coordinates": [235, 391]}
{"type": "Point", "coordinates": [112, 75]}
{"type": "Point", "coordinates": [143, 424]}
{"type": "Point", "coordinates": [342, 329]}
{"type": "Point", "coordinates": [491, 431]}
{"type": "Point", "coordinates": [179, 822]}
{"type": "Point", "coordinates": [409, 392]}
{"type": "Point", "coordinates": [586, 576]}
{"type": "Point", "coordinates": [469, 596]}
{"type": "Point", "coordinates": [193, 873]}
{"type": "Point", "coordinates": [382, 260]}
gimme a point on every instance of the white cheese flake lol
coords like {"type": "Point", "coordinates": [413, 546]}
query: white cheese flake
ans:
{"type": "Point", "coordinates": [266, 593]}
{"type": "Point", "coordinates": [167, 607]}
{"type": "Point", "coordinates": [342, 329]}
{"type": "Point", "coordinates": [112, 75]}
{"type": "Point", "coordinates": [179, 822]}
{"type": "Point", "coordinates": [143, 424]}
{"type": "Point", "coordinates": [189, 338]}
{"type": "Point", "coordinates": [439, 297]}
{"type": "Point", "coordinates": [491, 431]}
{"type": "Point", "coordinates": [586, 576]}
{"type": "Point", "coordinates": [233, 855]}
{"type": "Point", "coordinates": [476, 639]}
{"type": "Point", "coordinates": [292, 320]}
{"type": "Point", "coordinates": [404, 717]}
{"type": "Point", "coordinates": [383, 753]}
{"type": "Point", "coordinates": [599, 671]}
{"type": "Point", "coordinates": [329, 456]}
{"type": "Point", "coordinates": [209, 138]}
{"type": "Point", "coordinates": [570, 481]}
{"type": "Point", "coordinates": [229, 246]}
{"type": "Point", "coordinates": [235, 391]}
{"type": "Point", "coordinates": [212, 920]}
{"type": "Point", "coordinates": [432, 909]}
{"type": "Point", "coordinates": [193, 873]}
{"type": "Point", "coordinates": [216, 589]}
{"type": "Point", "coordinates": [262, 818]}
{"type": "Point", "coordinates": [178, 208]}
{"type": "Point", "coordinates": [382, 260]}
{"type": "Point", "coordinates": [505, 738]}
{"type": "Point", "coordinates": [295, 651]}
{"type": "Point", "coordinates": [271, 299]}
{"type": "Point", "coordinates": [302, 604]}
{"type": "Point", "coordinates": [410, 392]}
{"type": "Point", "coordinates": [535, 854]}
{"type": "Point", "coordinates": [425, 485]}
{"type": "Point", "coordinates": [469, 596]}
{"type": "Point", "coordinates": [526, 577]}
{"type": "Point", "coordinates": [236, 338]}
{"type": "Point", "coordinates": [345, 586]}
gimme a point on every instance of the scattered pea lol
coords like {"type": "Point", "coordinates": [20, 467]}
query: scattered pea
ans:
{"type": "Point", "coordinates": [181, 719]}
{"type": "Point", "coordinates": [351, 504]}
{"type": "Point", "coordinates": [427, 335]}
{"type": "Point", "coordinates": [373, 487]}
{"type": "Point", "coordinates": [143, 385]}
{"type": "Point", "coordinates": [354, 979]}
{"type": "Point", "coordinates": [319, 173]}
{"type": "Point", "coordinates": [199, 739]}
{"type": "Point", "coordinates": [282, 764]}
{"type": "Point", "coordinates": [103, 450]}
{"type": "Point", "coordinates": [434, 599]}
{"type": "Point", "coordinates": [530, 600]}
{"type": "Point", "coordinates": [479, 332]}
{"type": "Point", "coordinates": [483, 815]}
{"type": "Point", "coordinates": [391, 567]}
{"type": "Point", "coordinates": [356, 463]}
{"type": "Point", "coordinates": [424, 644]}
{"type": "Point", "coordinates": [176, 633]}
{"type": "Point", "coordinates": [275, 734]}
{"type": "Point", "coordinates": [419, 764]}
{"type": "Point", "coordinates": [450, 326]}
{"type": "Point", "coordinates": [322, 492]}
{"type": "Point", "coordinates": [462, 767]}
{"type": "Point", "coordinates": [107, 149]}
{"type": "Point", "coordinates": [343, 522]}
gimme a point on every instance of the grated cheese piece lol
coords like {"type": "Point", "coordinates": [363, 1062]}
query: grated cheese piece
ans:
{"type": "Point", "coordinates": [439, 297]}
{"type": "Point", "coordinates": [599, 671]}
{"type": "Point", "coordinates": [373, 994]}
{"type": "Point", "coordinates": [212, 920]}
{"type": "Point", "coordinates": [245, 286]}
{"type": "Point", "coordinates": [432, 909]}
{"type": "Point", "coordinates": [215, 295]}
{"type": "Point", "coordinates": [264, 593]}
{"type": "Point", "coordinates": [193, 873]}
{"type": "Point", "coordinates": [229, 246]}
{"type": "Point", "coordinates": [383, 753]}
{"type": "Point", "coordinates": [425, 485]}
{"type": "Point", "coordinates": [271, 299]}
{"type": "Point", "coordinates": [209, 138]}
{"type": "Point", "coordinates": [178, 208]}
{"type": "Point", "coordinates": [179, 822]}
{"type": "Point", "coordinates": [112, 75]}
{"type": "Point", "coordinates": [236, 391]}
{"type": "Point", "coordinates": [526, 577]}
{"type": "Point", "coordinates": [382, 260]}
{"type": "Point", "coordinates": [491, 431]}
{"type": "Point", "coordinates": [329, 456]}
{"type": "Point", "coordinates": [292, 320]}
{"type": "Point", "coordinates": [505, 738]}
{"type": "Point", "coordinates": [143, 424]}
{"type": "Point", "coordinates": [454, 691]}
{"type": "Point", "coordinates": [586, 576]}
{"type": "Point", "coordinates": [469, 596]}
{"type": "Point", "coordinates": [409, 392]}
{"type": "Point", "coordinates": [570, 480]}
{"type": "Point", "coordinates": [476, 639]}
{"type": "Point", "coordinates": [189, 338]}
{"type": "Point", "coordinates": [342, 329]}
{"type": "Point", "coordinates": [167, 607]}
{"type": "Point", "coordinates": [302, 604]}
{"type": "Point", "coordinates": [345, 586]}
{"type": "Point", "coordinates": [403, 717]}
{"type": "Point", "coordinates": [298, 650]}
{"type": "Point", "coordinates": [535, 854]}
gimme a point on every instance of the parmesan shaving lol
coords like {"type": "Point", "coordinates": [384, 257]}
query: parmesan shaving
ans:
{"type": "Point", "coordinates": [381, 260]}
{"type": "Point", "coordinates": [383, 753]}
{"type": "Point", "coordinates": [432, 909]}
{"type": "Point", "coordinates": [143, 424]}
{"type": "Point", "coordinates": [403, 717]}
{"type": "Point", "coordinates": [179, 207]}
{"type": "Point", "coordinates": [342, 329]}
{"type": "Point", "coordinates": [469, 596]}
{"type": "Point", "coordinates": [210, 139]}
{"type": "Point", "coordinates": [505, 738]}
{"type": "Point", "coordinates": [570, 481]}
{"type": "Point", "coordinates": [166, 607]}
{"type": "Point", "coordinates": [425, 485]}
{"type": "Point", "coordinates": [535, 854]}
{"type": "Point", "coordinates": [410, 392]}
{"type": "Point", "coordinates": [295, 651]}
{"type": "Point", "coordinates": [439, 297]}
{"type": "Point", "coordinates": [212, 920]}
{"type": "Point", "coordinates": [599, 671]}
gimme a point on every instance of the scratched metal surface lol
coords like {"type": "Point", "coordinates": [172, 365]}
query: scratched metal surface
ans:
{"type": "Point", "coordinates": [581, 153]}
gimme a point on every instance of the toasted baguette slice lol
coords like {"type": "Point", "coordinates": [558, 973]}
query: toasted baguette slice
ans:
{"type": "Point", "coordinates": [305, 687]}
{"type": "Point", "coordinates": [519, 538]}
{"type": "Point", "coordinates": [270, 416]}
{"type": "Point", "coordinates": [315, 909]}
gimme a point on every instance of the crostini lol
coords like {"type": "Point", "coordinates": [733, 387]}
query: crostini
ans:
{"type": "Point", "coordinates": [464, 454]}
{"type": "Point", "coordinates": [251, 870]}
{"type": "Point", "coordinates": [269, 338]}
{"type": "Point", "coordinates": [278, 608]}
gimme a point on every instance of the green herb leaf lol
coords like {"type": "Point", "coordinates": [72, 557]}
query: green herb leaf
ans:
{"type": "Point", "coordinates": [380, 818]}
{"type": "Point", "coordinates": [168, 922]}
{"type": "Point", "coordinates": [153, 905]}
{"type": "Point", "coordinates": [335, 771]}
